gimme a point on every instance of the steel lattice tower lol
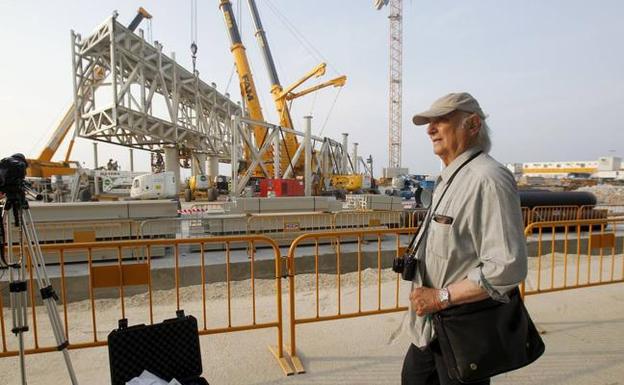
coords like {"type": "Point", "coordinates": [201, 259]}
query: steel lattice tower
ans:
{"type": "Point", "coordinates": [396, 83]}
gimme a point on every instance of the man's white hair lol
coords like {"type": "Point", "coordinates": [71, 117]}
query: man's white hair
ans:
{"type": "Point", "coordinates": [483, 138]}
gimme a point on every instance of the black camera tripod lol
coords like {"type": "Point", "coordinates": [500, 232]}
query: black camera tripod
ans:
{"type": "Point", "coordinates": [16, 208]}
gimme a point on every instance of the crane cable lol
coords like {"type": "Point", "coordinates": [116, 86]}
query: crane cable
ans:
{"type": "Point", "coordinates": [313, 51]}
{"type": "Point", "coordinates": [300, 37]}
{"type": "Point", "coordinates": [240, 31]}
{"type": "Point", "coordinates": [331, 109]}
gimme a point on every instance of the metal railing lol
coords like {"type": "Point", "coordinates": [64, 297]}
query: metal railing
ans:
{"type": "Point", "coordinates": [553, 213]}
{"type": "Point", "coordinates": [287, 226]}
{"type": "Point", "coordinates": [415, 217]}
{"type": "Point", "coordinates": [601, 211]}
{"type": "Point", "coordinates": [367, 219]}
{"type": "Point", "coordinates": [341, 257]}
{"type": "Point", "coordinates": [133, 284]}
{"type": "Point", "coordinates": [284, 226]}
{"type": "Point", "coordinates": [562, 255]}
{"type": "Point", "coordinates": [574, 254]}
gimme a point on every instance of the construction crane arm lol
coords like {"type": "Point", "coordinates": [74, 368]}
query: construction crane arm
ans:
{"type": "Point", "coordinates": [316, 72]}
{"type": "Point", "coordinates": [247, 85]}
{"type": "Point", "coordinates": [336, 82]}
{"type": "Point", "coordinates": [141, 14]}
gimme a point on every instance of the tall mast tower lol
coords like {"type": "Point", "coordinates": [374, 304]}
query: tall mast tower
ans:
{"type": "Point", "coordinates": [395, 102]}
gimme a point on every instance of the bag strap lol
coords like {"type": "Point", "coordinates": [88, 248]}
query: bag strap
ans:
{"type": "Point", "coordinates": [425, 227]}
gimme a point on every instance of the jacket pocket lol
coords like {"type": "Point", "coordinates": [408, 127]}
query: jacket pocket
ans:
{"type": "Point", "coordinates": [438, 240]}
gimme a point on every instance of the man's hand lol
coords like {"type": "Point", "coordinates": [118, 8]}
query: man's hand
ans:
{"type": "Point", "coordinates": [425, 301]}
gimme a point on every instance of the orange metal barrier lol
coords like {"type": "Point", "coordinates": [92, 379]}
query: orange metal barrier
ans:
{"type": "Point", "coordinates": [133, 283]}
{"type": "Point", "coordinates": [569, 213]}
{"type": "Point", "coordinates": [283, 226]}
{"type": "Point", "coordinates": [553, 213]}
{"type": "Point", "coordinates": [367, 218]}
{"type": "Point", "coordinates": [601, 211]}
{"type": "Point", "coordinates": [573, 254]}
{"type": "Point", "coordinates": [526, 216]}
{"type": "Point", "coordinates": [416, 217]}
{"type": "Point", "coordinates": [372, 240]}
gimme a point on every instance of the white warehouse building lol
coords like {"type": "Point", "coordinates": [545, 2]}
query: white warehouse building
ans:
{"type": "Point", "coordinates": [606, 167]}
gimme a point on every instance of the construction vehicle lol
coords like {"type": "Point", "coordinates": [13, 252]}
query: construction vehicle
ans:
{"type": "Point", "coordinates": [154, 186]}
{"type": "Point", "coordinates": [200, 187]}
{"type": "Point", "coordinates": [281, 97]}
{"type": "Point", "coordinates": [43, 166]}
{"type": "Point", "coordinates": [349, 183]}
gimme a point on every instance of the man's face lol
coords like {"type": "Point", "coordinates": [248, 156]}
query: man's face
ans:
{"type": "Point", "coordinates": [449, 139]}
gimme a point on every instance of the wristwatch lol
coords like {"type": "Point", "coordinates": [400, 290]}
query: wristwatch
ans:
{"type": "Point", "coordinates": [444, 297]}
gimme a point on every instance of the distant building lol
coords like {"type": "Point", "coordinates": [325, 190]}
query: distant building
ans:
{"type": "Point", "coordinates": [606, 167]}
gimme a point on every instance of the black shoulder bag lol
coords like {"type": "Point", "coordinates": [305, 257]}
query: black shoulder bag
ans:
{"type": "Point", "coordinates": [482, 339]}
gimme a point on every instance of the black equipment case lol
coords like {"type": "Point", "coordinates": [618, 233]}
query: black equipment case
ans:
{"type": "Point", "coordinates": [169, 350]}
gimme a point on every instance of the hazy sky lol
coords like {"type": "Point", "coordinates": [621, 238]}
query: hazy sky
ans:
{"type": "Point", "coordinates": [550, 73]}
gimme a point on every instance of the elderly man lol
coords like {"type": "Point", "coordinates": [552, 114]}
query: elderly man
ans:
{"type": "Point", "coordinates": [474, 246]}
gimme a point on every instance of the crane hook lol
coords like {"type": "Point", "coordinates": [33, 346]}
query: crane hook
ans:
{"type": "Point", "coordinates": [194, 55]}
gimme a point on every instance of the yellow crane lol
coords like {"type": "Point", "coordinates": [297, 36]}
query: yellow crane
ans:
{"type": "Point", "coordinates": [281, 97]}
{"type": "Point", "coordinates": [43, 166]}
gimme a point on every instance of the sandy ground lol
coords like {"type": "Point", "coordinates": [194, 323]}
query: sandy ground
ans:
{"type": "Point", "coordinates": [584, 334]}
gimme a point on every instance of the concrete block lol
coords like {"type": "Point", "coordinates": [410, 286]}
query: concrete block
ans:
{"type": "Point", "coordinates": [287, 204]}
{"type": "Point", "coordinates": [78, 211]}
{"type": "Point", "coordinates": [152, 209]}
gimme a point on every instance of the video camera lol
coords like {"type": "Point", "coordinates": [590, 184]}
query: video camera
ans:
{"type": "Point", "coordinates": [13, 174]}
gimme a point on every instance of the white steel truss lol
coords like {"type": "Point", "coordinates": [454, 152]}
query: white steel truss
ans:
{"type": "Point", "coordinates": [327, 154]}
{"type": "Point", "coordinates": [127, 92]}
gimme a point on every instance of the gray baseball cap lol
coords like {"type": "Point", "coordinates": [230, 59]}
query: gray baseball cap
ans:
{"type": "Point", "coordinates": [461, 101]}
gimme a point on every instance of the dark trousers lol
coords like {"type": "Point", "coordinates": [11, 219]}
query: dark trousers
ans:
{"type": "Point", "coordinates": [427, 367]}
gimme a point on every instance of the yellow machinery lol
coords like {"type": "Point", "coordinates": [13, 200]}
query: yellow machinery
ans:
{"type": "Point", "coordinates": [349, 183]}
{"type": "Point", "coordinates": [43, 166]}
{"type": "Point", "coordinates": [281, 96]}
{"type": "Point", "coordinates": [200, 187]}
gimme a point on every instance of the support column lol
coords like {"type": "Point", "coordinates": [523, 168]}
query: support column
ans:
{"type": "Point", "coordinates": [201, 163]}
{"type": "Point", "coordinates": [308, 156]}
{"type": "Point", "coordinates": [277, 172]}
{"type": "Point", "coordinates": [345, 145]}
{"type": "Point", "coordinates": [131, 160]}
{"type": "Point", "coordinates": [95, 156]}
{"type": "Point", "coordinates": [326, 164]}
{"type": "Point", "coordinates": [234, 155]}
{"type": "Point", "coordinates": [354, 159]}
{"type": "Point", "coordinates": [172, 163]}
{"type": "Point", "coordinates": [213, 168]}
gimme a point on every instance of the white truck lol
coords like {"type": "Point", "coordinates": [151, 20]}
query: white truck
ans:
{"type": "Point", "coordinates": [154, 186]}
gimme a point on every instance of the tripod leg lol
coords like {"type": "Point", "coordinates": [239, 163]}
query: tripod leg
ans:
{"type": "Point", "coordinates": [48, 294]}
{"type": "Point", "coordinates": [17, 294]}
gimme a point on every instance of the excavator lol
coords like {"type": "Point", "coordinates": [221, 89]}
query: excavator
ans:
{"type": "Point", "coordinates": [43, 166]}
{"type": "Point", "coordinates": [281, 96]}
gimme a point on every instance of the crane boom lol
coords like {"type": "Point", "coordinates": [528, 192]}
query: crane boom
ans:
{"type": "Point", "coordinates": [276, 87]}
{"type": "Point", "coordinates": [281, 96]}
{"type": "Point", "coordinates": [247, 85]}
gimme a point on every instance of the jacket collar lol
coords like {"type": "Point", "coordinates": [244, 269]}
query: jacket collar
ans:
{"type": "Point", "coordinates": [450, 169]}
